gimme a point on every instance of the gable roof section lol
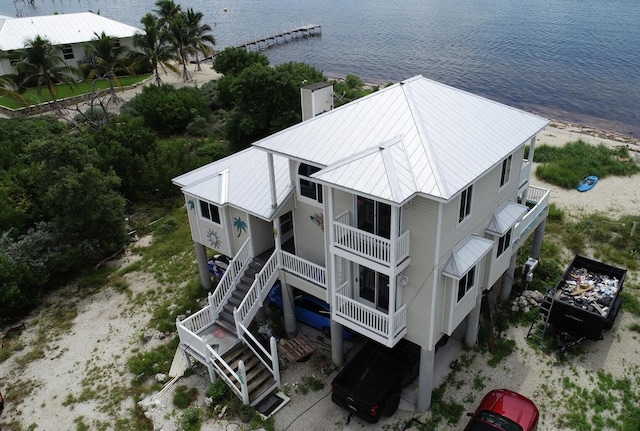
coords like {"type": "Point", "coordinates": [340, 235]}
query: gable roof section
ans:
{"type": "Point", "coordinates": [385, 172]}
{"type": "Point", "coordinates": [60, 29]}
{"type": "Point", "coordinates": [450, 138]}
{"type": "Point", "coordinates": [240, 180]}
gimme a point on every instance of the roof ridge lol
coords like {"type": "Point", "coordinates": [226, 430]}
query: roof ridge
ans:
{"type": "Point", "coordinates": [424, 138]}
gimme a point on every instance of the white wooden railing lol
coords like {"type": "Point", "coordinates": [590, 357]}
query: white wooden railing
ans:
{"type": "Point", "coordinates": [371, 246]}
{"type": "Point", "coordinates": [234, 272]}
{"type": "Point", "coordinates": [268, 359]}
{"type": "Point", "coordinates": [192, 340]}
{"type": "Point", "coordinates": [371, 319]}
{"type": "Point", "coordinates": [257, 293]}
{"type": "Point", "coordinates": [237, 379]}
{"type": "Point", "coordinates": [539, 197]}
{"type": "Point", "coordinates": [525, 171]}
{"type": "Point", "coordinates": [303, 268]}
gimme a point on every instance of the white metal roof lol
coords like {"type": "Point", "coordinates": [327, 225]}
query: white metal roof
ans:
{"type": "Point", "coordinates": [508, 214]}
{"type": "Point", "coordinates": [415, 137]}
{"type": "Point", "coordinates": [60, 29]}
{"type": "Point", "coordinates": [464, 257]}
{"type": "Point", "coordinates": [240, 180]}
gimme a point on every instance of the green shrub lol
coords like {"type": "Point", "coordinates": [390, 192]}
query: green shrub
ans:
{"type": "Point", "coordinates": [184, 396]}
{"type": "Point", "coordinates": [218, 391]}
{"type": "Point", "coordinates": [191, 419]}
{"type": "Point", "coordinates": [169, 110]}
{"type": "Point", "coordinates": [566, 166]}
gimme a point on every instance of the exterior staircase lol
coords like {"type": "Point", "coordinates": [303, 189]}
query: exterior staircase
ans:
{"type": "Point", "coordinates": [248, 367]}
{"type": "Point", "coordinates": [259, 378]}
{"type": "Point", "coordinates": [225, 317]}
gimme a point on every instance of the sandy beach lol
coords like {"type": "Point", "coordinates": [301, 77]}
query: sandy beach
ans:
{"type": "Point", "coordinates": [613, 195]}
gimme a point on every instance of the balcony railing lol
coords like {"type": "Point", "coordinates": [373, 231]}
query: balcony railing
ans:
{"type": "Point", "coordinates": [387, 327]}
{"type": "Point", "coordinates": [370, 246]}
{"type": "Point", "coordinates": [538, 201]}
{"type": "Point", "coordinates": [525, 171]}
{"type": "Point", "coordinates": [303, 268]}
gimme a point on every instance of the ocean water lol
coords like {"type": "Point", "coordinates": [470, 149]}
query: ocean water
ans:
{"type": "Point", "coordinates": [572, 60]}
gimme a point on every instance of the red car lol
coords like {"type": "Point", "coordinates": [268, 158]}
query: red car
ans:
{"type": "Point", "coordinates": [504, 410]}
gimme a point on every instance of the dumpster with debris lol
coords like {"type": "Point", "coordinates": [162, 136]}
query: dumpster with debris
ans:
{"type": "Point", "coordinates": [586, 301]}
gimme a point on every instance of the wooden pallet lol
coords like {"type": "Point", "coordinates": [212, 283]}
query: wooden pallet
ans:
{"type": "Point", "coordinates": [296, 349]}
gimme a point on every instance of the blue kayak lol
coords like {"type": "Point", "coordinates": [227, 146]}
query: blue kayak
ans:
{"type": "Point", "coordinates": [587, 183]}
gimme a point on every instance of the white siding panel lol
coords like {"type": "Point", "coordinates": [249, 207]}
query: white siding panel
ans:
{"type": "Point", "coordinates": [421, 218]}
{"type": "Point", "coordinates": [309, 237]}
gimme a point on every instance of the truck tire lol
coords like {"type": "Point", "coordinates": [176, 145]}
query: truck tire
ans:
{"type": "Point", "coordinates": [392, 404]}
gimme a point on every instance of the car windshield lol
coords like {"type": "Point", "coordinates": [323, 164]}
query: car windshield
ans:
{"type": "Point", "coordinates": [490, 421]}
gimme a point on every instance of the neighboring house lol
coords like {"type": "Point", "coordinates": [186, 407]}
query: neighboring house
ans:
{"type": "Point", "coordinates": [400, 209]}
{"type": "Point", "coordinates": [69, 31]}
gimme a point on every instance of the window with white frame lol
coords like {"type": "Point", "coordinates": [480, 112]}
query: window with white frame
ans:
{"type": "Point", "coordinates": [465, 204]}
{"type": "Point", "coordinates": [466, 283]}
{"type": "Point", "coordinates": [210, 212]}
{"type": "Point", "coordinates": [506, 171]}
{"type": "Point", "coordinates": [504, 242]}
{"type": "Point", "coordinates": [308, 188]}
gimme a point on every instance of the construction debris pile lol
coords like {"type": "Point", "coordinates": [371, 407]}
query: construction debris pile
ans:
{"type": "Point", "coordinates": [589, 291]}
{"type": "Point", "coordinates": [528, 300]}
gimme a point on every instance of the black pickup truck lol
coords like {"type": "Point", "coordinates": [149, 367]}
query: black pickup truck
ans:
{"type": "Point", "coordinates": [370, 384]}
{"type": "Point", "coordinates": [586, 301]}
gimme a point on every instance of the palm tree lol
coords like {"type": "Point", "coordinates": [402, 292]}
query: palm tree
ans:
{"type": "Point", "coordinates": [167, 10]}
{"type": "Point", "coordinates": [41, 64]}
{"type": "Point", "coordinates": [202, 40]}
{"type": "Point", "coordinates": [182, 42]}
{"type": "Point", "coordinates": [107, 59]}
{"type": "Point", "coordinates": [155, 45]}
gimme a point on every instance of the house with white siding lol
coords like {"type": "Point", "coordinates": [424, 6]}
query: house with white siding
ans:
{"type": "Point", "coordinates": [69, 31]}
{"type": "Point", "coordinates": [400, 209]}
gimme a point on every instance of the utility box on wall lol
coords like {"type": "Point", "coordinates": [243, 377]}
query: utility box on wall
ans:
{"type": "Point", "coordinates": [316, 99]}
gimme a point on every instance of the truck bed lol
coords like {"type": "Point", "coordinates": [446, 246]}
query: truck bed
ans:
{"type": "Point", "coordinates": [369, 385]}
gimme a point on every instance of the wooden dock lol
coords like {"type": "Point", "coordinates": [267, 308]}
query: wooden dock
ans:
{"type": "Point", "coordinates": [282, 37]}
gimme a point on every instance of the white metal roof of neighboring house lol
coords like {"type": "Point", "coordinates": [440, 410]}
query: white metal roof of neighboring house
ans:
{"type": "Point", "coordinates": [240, 180]}
{"type": "Point", "coordinates": [415, 137]}
{"type": "Point", "coordinates": [60, 29]}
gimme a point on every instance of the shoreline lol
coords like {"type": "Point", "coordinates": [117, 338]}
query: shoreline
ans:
{"type": "Point", "coordinates": [612, 132]}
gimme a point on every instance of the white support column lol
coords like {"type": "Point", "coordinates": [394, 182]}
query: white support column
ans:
{"type": "Point", "coordinates": [532, 148]}
{"type": "Point", "coordinates": [203, 268]}
{"type": "Point", "coordinates": [337, 349]}
{"type": "Point", "coordinates": [212, 372]}
{"type": "Point", "coordinates": [473, 323]}
{"type": "Point", "coordinates": [287, 308]}
{"type": "Point", "coordinates": [272, 181]}
{"type": "Point", "coordinates": [337, 343]}
{"type": "Point", "coordinates": [425, 379]}
{"type": "Point", "coordinates": [508, 277]}
{"type": "Point", "coordinates": [538, 236]}
{"type": "Point", "coordinates": [393, 277]}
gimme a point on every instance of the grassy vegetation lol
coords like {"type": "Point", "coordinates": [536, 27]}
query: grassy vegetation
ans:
{"type": "Point", "coordinates": [566, 166]}
{"type": "Point", "coordinates": [35, 97]}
